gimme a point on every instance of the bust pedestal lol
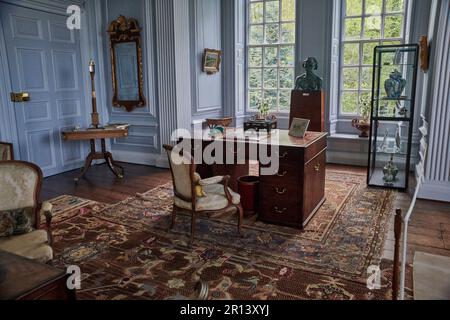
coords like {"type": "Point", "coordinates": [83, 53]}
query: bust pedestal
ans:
{"type": "Point", "coordinates": [309, 105]}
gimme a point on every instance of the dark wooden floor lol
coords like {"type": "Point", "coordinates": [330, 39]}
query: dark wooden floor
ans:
{"type": "Point", "coordinates": [429, 229]}
{"type": "Point", "coordinates": [101, 185]}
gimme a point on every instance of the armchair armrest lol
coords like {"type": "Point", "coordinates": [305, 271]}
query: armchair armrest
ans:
{"type": "Point", "coordinates": [213, 180]}
{"type": "Point", "coordinates": [47, 211]}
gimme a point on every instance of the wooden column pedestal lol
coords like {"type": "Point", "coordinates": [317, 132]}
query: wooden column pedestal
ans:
{"type": "Point", "coordinates": [309, 105]}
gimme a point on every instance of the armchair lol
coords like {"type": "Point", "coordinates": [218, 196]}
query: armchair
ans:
{"type": "Point", "coordinates": [196, 196]}
{"type": "Point", "coordinates": [20, 188]}
{"type": "Point", "coordinates": [6, 151]}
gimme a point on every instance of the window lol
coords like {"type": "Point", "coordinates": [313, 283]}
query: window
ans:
{"type": "Point", "coordinates": [271, 53]}
{"type": "Point", "coordinates": [366, 24]}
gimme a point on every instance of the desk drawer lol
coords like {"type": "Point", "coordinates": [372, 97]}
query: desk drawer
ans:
{"type": "Point", "coordinates": [285, 177]}
{"type": "Point", "coordinates": [279, 212]}
{"type": "Point", "coordinates": [288, 157]}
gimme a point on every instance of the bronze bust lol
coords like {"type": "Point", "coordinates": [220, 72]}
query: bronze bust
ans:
{"type": "Point", "coordinates": [309, 81]}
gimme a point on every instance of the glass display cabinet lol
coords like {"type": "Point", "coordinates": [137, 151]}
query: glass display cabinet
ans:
{"type": "Point", "coordinates": [393, 96]}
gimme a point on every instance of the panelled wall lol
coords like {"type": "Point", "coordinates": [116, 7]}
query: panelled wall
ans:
{"type": "Point", "coordinates": [143, 138]}
{"type": "Point", "coordinates": [436, 103]}
{"type": "Point", "coordinates": [174, 34]}
{"type": "Point", "coordinates": [206, 32]}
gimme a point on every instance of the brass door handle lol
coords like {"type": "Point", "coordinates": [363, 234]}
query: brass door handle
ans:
{"type": "Point", "coordinates": [20, 96]}
{"type": "Point", "coordinates": [279, 211]}
{"type": "Point", "coordinates": [317, 167]}
{"type": "Point", "coordinates": [280, 191]}
{"type": "Point", "coordinates": [282, 174]}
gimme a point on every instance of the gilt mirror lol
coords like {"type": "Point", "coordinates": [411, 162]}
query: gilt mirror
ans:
{"type": "Point", "coordinates": [126, 63]}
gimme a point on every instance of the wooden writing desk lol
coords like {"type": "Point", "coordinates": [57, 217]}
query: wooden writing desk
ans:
{"type": "Point", "coordinates": [296, 191]}
{"type": "Point", "coordinates": [92, 135]}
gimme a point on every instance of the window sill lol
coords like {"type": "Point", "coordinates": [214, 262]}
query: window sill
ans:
{"type": "Point", "coordinates": [347, 136]}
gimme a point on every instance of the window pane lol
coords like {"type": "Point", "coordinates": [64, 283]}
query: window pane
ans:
{"type": "Point", "coordinates": [271, 96]}
{"type": "Point", "coordinates": [288, 32]}
{"type": "Point", "coordinates": [255, 57]}
{"type": "Point", "coordinates": [257, 12]}
{"type": "Point", "coordinates": [372, 27]}
{"type": "Point", "coordinates": [353, 7]}
{"type": "Point", "coordinates": [285, 100]}
{"type": "Point", "coordinates": [368, 51]}
{"type": "Point", "coordinates": [270, 56]}
{"type": "Point", "coordinates": [256, 35]}
{"type": "Point", "coordinates": [351, 54]}
{"type": "Point", "coordinates": [394, 5]}
{"type": "Point", "coordinates": [272, 11]}
{"type": "Point", "coordinates": [254, 97]}
{"type": "Point", "coordinates": [353, 28]}
{"type": "Point", "coordinates": [349, 102]}
{"type": "Point", "coordinates": [272, 33]}
{"type": "Point", "coordinates": [350, 78]}
{"type": "Point", "coordinates": [366, 78]}
{"type": "Point", "coordinates": [287, 78]}
{"type": "Point", "coordinates": [287, 56]}
{"type": "Point", "coordinates": [288, 10]}
{"type": "Point", "coordinates": [255, 78]}
{"type": "Point", "coordinates": [270, 78]}
{"type": "Point", "coordinates": [374, 6]}
{"type": "Point", "coordinates": [393, 26]}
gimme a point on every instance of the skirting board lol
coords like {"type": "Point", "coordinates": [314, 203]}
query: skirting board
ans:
{"type": "Point", "coordinates": [149, 159]}
{"type": "Point", "coordinates": [435, 191]}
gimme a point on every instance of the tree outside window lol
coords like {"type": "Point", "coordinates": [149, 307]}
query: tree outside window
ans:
{"type": "Point", "coordinates": [271, 53]}
{"type": "Point", "coordinates": [366, 24]}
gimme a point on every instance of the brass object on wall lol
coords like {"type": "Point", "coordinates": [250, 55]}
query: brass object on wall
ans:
{"type": "Point", "coordinates": [126, 63]}
{"type": "Point", "coordinates": [424, 53]}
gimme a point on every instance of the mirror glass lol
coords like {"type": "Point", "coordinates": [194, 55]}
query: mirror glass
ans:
{"type": "Point", "coordinates": [127, 71]}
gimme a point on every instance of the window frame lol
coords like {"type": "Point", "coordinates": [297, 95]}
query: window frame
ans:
{"type": "Point", "coordinates": [263, 46]}
{"type": "Point", "coordinates": [361, 41]}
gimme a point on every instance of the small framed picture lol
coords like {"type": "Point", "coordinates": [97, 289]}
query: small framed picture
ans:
{"type": "Point", "coordinates": [211, 61]}
{"type": "Point", "coordinates": [299, 127]}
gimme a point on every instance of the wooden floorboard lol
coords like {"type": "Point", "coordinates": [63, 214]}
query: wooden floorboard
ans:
{"type": "Point", "coordinates": [429, 228]}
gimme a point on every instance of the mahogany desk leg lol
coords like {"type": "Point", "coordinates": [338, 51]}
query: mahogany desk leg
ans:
{"type": "Point", "coordinates": [115, 168]}
{"type": "Point", "coordinates": [88, 162]}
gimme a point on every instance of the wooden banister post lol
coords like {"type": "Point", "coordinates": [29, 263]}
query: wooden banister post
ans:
{"type": "Point", "coordinates": [396, 271]}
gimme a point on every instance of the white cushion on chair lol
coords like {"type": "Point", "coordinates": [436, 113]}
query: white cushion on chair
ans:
{"type": "Point", "coordinates": [33, 245]}
{"type": "Point", "coordinates": [215, 199]}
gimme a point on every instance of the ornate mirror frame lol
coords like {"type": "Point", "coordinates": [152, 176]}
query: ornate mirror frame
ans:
{"type": "Point", "coordinates": [124, 30]}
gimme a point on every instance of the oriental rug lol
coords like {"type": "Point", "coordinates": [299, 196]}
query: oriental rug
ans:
{"type": "Point", "coordinates": [126, 252]}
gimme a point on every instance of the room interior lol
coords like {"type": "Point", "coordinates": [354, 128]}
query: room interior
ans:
{"type": "Point", "coordinates": [326, 121]}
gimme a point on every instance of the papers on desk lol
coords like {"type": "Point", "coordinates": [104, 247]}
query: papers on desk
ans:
{"type": "Point", "coordinates": [119, 126]}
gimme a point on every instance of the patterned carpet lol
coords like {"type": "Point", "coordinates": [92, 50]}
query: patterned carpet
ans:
{"type": "Point", "coordinates": [125, 251]}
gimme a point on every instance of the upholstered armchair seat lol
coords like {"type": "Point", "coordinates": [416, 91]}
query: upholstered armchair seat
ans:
{"type": "Point", "coordinates": [33, 245]}
{"type": "Point", "coordinates": [20, 185]}
{"type": "Point", "coordinates": [215, 199]}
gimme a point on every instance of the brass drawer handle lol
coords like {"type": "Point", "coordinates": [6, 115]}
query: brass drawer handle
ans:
{"type": "Point", "coordinates": [284, 155]}
{"type": "Point", "coordinates": [280, 191]}
{"type": "Point", "coordinates": [317, 167]}
{"type": "Point", "coordinates": [277, 210]}
{"type": "Point", "coordinates": [282, 174]}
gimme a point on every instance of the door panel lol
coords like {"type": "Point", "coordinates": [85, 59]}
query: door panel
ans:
{"type": "Point", "coordinates": [44, 60]}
